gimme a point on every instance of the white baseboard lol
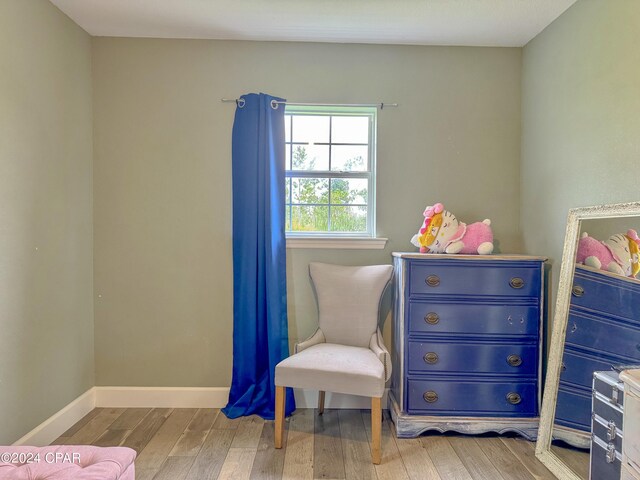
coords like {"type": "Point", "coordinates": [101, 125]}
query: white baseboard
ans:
{"type": "Point", "coordinates": [60, 422]}
{"type": "Point", "coordinates": [210, 397]}
{"type": "Point", "coordinates": [165, 397]}
{"type": "Point", "coordinates": [162, 397]}
{"type": "Point", "coordinates": [309, 399]}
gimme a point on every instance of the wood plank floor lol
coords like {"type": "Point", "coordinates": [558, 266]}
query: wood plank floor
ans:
{"type": "Point", "coordinates": [199, 444]}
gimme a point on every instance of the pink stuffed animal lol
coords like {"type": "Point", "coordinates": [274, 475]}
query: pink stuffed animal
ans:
{"type": "Point", "coordinates": [441, 232]}
{"type": "Point", "coordinates": [618, 254]}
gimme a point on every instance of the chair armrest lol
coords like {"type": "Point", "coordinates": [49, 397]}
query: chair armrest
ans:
{"type": "Point", "coordinates": [377, 346]}
{"type": "Point", "coordinates": [315, 339]}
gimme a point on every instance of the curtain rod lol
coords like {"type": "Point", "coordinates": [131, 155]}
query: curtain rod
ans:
{"type": "Point", "coordinates": [381, 105]}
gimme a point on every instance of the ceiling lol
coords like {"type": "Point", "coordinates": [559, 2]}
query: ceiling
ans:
{"type": "Point", "coordinates": [508, 23]}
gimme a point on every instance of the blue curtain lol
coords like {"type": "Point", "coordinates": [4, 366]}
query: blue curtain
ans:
{"type": "Point", "coordinates": [260, 327]}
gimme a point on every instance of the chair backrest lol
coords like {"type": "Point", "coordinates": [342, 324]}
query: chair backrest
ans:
{"type": "Point", "coordinates": [349, 300]}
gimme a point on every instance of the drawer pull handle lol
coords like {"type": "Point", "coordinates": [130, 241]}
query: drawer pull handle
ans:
{"type": "Point", "coordinates": [430, 397]}
{"type": "Point", "coordinates": [432, 318]}
{"type": "Point", "coordinates": [611, 453]}
{"type": "Point", "coordinates": [432, 280]}
{"type": "Point", "coordinates": [611, 431]}
{"type": "Point", "coordinates": [514, 398]}
{"type": "Point", "coordinates": [516, 282]}
{"type": "Point", "coordinates": [514, 360]}
{"type": "Point", "coordinates": [431, 357]}
{"type": "Point", "coordinates": [563, 367]}
{"type": "Point", "coordinates": [577, 291]}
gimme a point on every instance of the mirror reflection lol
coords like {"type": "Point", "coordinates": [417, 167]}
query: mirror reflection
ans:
{"type": "Point", "coordinates": [603, 335]}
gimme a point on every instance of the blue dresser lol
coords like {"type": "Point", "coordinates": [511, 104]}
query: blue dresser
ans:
{"type": "Point", "coordinates": [603, 330]}
{"type": "Point", "coordinates": [467, 343]}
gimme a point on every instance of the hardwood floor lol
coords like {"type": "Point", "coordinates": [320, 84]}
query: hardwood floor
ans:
{"type": "Point", "coordinates": [199, 444]}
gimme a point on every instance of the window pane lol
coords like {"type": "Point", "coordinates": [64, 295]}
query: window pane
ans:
{"type": "Point", "coordinates": [349, 190]}
{"type": "Point", "coordinates": [348, 219]}
{"type": "Point", "coordinates": [310, 157]}
{"type": "Point", "coordinates": [287, 218]}
{"type": "Point", "coordinates": [310, 129]}
{"type": "Point", "coordinates": [310, 190]}
{"type": "Point", "coordinates": [350, 129]}
{"type": "Point", "coordinates": [287, 155]}
{"type": "Point", "coordinates": [320, 142]}
{"type": "Point", "coordinates": [346, 158]}
{"type": "Point", "coordinates": [309, 219]}
{"type": "Point", "coordinates": [287, 190]}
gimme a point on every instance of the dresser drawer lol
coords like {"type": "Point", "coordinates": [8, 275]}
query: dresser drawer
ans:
{"type": "Point", "coordinates": [473, 319]}
{"type": "Point", "coordinates": [472, 398]}
{"type": "Point", "coordinates": [578, 367]}
{"type": "Point", "coordinates": [603, 293]}
{"type": "Point", "coordinates": [604, 335]}
{"type": "Point", "coordinates": [461, 358]}
{"type": "Point", "coordinates": [573, 408]}
{"type": "Point", "coordinates": [469, 279]}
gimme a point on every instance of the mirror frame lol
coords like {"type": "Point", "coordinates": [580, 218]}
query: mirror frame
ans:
{"type": "Point", "coordinates": [560, 320]}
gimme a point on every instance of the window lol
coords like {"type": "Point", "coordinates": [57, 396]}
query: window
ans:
{"type": "Point", "coordinates": [330, 171]}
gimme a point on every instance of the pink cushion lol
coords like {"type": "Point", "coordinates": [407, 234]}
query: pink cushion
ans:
{"type": "Point", "coordinates": [60, 462]}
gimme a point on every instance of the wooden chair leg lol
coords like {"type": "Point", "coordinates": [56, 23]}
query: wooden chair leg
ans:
{"type": "Point", "coordinates": [320, 402]}
{"type": "Point", "coordinates": [376, 429]}
{"type": "Point", "coordinates": [279, 423]}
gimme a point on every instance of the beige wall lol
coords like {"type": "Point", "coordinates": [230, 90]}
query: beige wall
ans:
{"type": "Point", "coordinates": [46, 272]}
{"type": "Point", "coordinates": [580, 118]}
{"type": "Point", "coordinates": [162, 184]}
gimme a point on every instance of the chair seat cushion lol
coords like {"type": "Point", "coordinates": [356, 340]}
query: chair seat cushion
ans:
{"type": "Point", "coordinates": [333, 368]}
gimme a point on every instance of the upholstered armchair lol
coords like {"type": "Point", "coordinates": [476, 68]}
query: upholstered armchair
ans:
{"type": "Point", "coordinates": [346, 353]}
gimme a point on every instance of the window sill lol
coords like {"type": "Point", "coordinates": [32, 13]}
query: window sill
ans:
{"type": "Point", "coordinates": [359, 243]}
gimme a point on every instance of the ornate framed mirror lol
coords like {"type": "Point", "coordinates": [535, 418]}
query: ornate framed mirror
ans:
{"type": "Point", "coordinates": [596, 327]}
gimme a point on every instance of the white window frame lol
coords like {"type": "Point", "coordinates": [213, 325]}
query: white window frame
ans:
{"type": "Point", "coordinates": [329, 239]}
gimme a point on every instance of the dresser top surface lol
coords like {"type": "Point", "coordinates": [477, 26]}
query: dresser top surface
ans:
{"type": "Point", "coordinates": [591, 270]}
{"type": "Point", "coordinates": [443, 256]}
{"type": "Point", "coordinates": [631, 377]}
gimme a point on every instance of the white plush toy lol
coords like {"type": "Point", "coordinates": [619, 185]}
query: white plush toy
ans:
{"type": "Point", "coordinates": [441, 232]}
